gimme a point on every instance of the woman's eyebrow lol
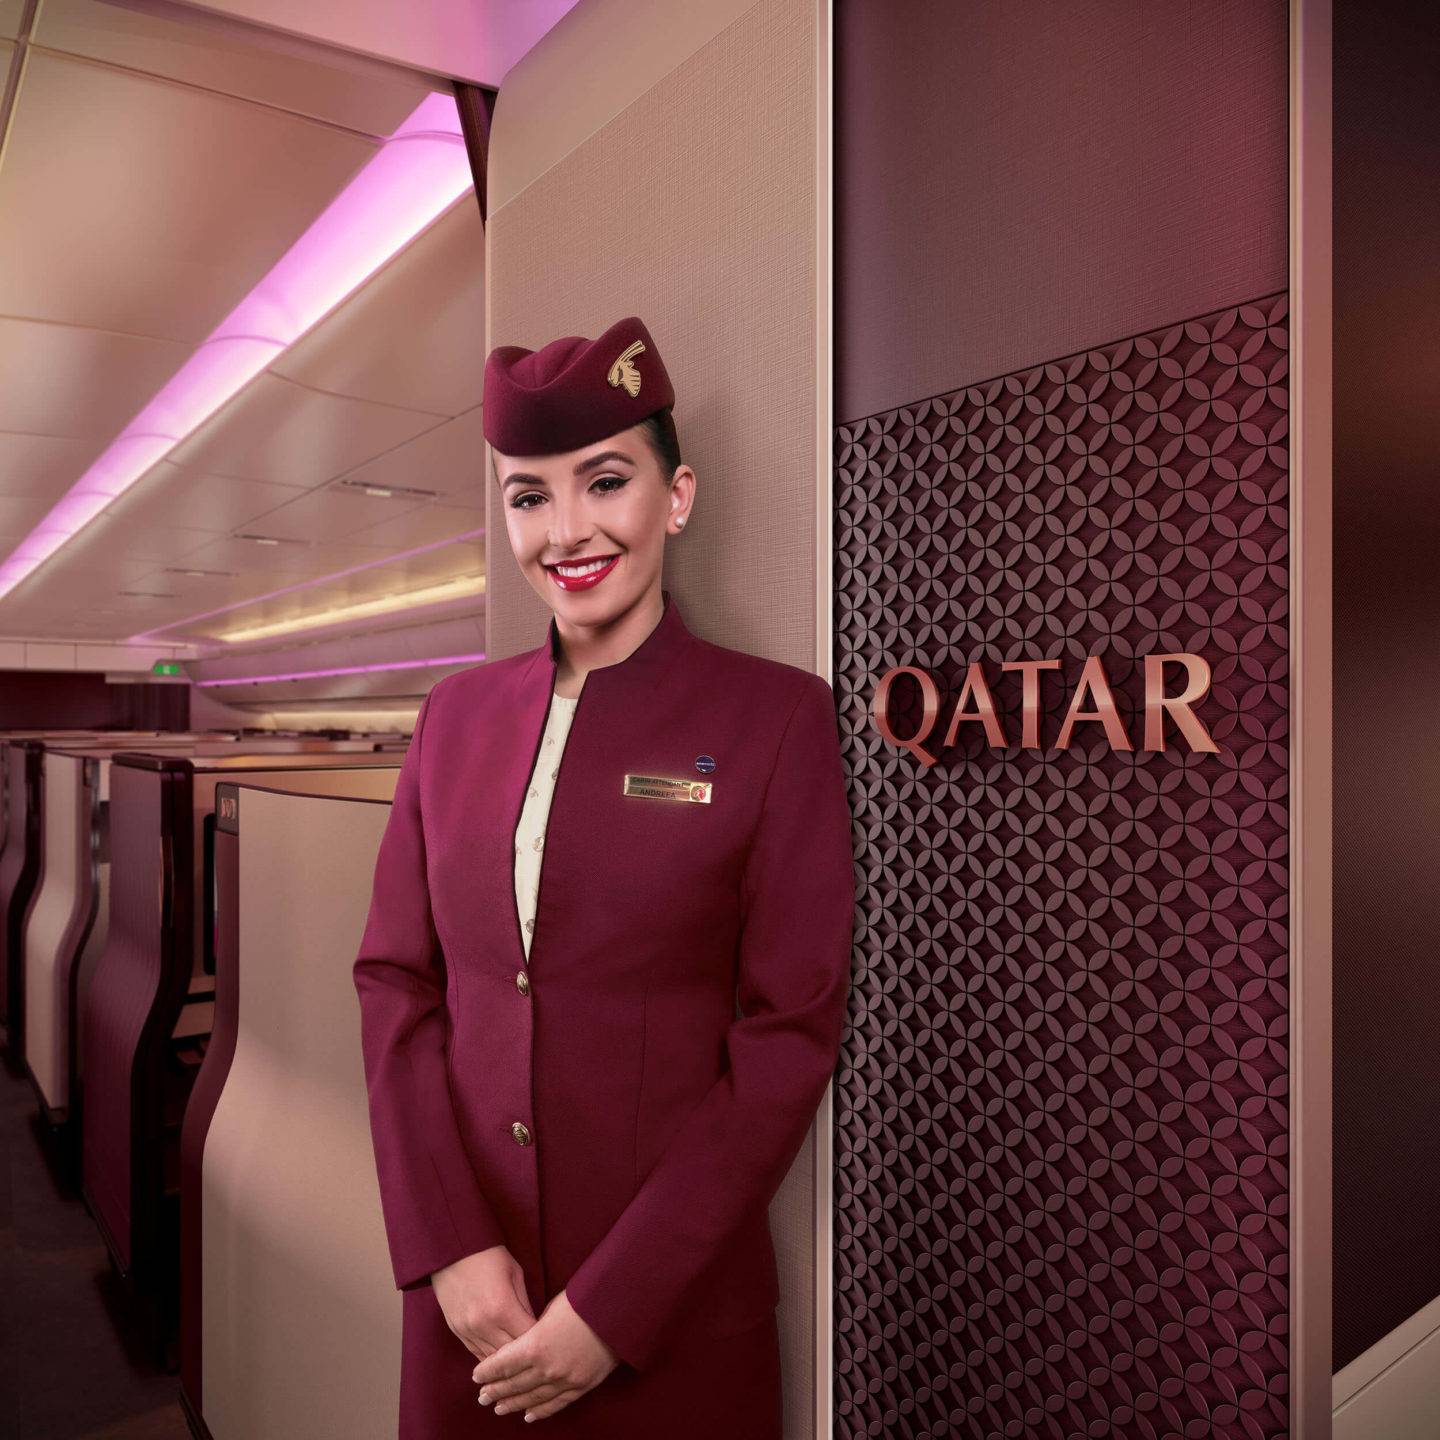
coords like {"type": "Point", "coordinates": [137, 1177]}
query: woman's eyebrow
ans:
{"type": "Point", "coordinates": [603, 458]}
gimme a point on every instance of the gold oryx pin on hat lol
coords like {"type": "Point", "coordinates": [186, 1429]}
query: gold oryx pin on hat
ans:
{"type": "Point", "coordinates": [661, 787]}
{"type": "Point", "coordinates": [623, 371]}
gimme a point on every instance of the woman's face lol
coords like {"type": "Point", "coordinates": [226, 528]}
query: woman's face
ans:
{"type": "Point", "coordinates": [603, 503]}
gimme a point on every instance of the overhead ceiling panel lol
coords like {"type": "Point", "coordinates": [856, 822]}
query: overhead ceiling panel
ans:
{"type": "Point", "coordinates": [70, 382]}
{"type": "Point", "coordinates": [41, 466]}
{"type": "Point", "coordinates": [291, 561]}
{"type": "Point", "coordinates": [323, 84]}
{"type": "Point", "coordinates": [135, 540]}
{"type": "Point", "coordinates": [135, 205]}
{"type": "Point", "coordinates": [19, 516]}
{"type": "Point", "coordinates": [446, 460]}
{"type": "Point", "coordinates": [11, 14]}
{"type": "Point", "coordinates": [429, 305]}
{"type": "Point", "coordinates": [474, 42]}
{"type": "Point", "coordinates": [331, 513]}
{"type": "Point", "coordinates": [423, 525]}
{"type": "Point", "coordinates": [282, 432]}
{"type": "Point", "coordinates": [173, 495]}
{"type": "Point", "coordinates": [43, 610]}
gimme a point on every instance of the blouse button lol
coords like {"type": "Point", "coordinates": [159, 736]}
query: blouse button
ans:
{"type": "Point", "coordinates": [521, 1134]}
{"type": "Point", "coordinates": [522, 982]}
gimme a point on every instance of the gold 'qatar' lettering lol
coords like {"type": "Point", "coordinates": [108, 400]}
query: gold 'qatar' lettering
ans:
{"type": "Point", "coordinates": [977, 703]}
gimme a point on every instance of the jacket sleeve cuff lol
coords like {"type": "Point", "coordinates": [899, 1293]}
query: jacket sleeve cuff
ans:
{"type": "Point", "coordinates": [415, 1263]}
{"type": "Point", "coordinates": [614, 1324]}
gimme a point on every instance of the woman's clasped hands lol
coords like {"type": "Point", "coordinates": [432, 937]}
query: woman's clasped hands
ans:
{"type": "Point", "coordinates": [536, 1365]}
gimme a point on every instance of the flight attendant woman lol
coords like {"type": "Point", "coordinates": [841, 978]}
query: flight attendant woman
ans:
{"type": "Point", "coordinates": [597, 848]}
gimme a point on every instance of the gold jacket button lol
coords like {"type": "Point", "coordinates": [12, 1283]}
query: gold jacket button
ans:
{"type": "Point", "coordinates": [522, 982]}
{"type": "Point", "coordinates": [521, 1134]}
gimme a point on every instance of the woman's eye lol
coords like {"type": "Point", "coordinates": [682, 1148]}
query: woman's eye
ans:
{"type": "Point", "coordinates": [610, 484]}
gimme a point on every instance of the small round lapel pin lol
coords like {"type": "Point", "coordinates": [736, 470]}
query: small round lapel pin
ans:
{"type": "Point", "coordinates": [705, 763]}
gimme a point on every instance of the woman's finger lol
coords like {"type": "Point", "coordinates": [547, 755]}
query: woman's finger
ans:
{"type": "Point", "coordinates": [525, 1376]}
{"type": "Point", "coordinates": [519, 1371]}
{"type": "Point", "coordinates": [559, 1402]}
{"type": "Point", "coordinates": [532, 1395]}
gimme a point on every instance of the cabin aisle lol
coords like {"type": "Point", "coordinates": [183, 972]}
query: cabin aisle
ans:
{"type": "Point", "coordinates": [69, 1369]}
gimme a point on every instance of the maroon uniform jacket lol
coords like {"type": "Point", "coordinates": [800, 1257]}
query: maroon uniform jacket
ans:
{"type": "Point", "coordinates": [602, 1110]}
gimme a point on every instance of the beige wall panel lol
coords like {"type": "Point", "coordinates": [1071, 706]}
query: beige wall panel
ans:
{"type": "Point", "coordinates": [594, 93]}
{"type": "Point", "coordinates": [670, 161]}
{"type": "Point", "coordinates": [47, 1013]}
{"type": "Point", "coordinates": [695, 208]}
{"type": "Point", "coordinates": [301, 1319]}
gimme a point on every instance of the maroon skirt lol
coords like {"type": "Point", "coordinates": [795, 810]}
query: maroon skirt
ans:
{"type": "Point", "coordinates": [704, 1387]}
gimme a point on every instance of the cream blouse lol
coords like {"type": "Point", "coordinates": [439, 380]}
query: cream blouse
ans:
{"type": "Point", "coordinates": [530, 833]}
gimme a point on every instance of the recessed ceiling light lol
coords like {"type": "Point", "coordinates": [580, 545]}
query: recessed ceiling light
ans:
{"type": "Point", "coordinates": [344, 670]}
{"type": "Point", "coordinates": [463, 588]}
{"type": "Point", "coordinates": [394, 558]}
{"type": "Point", "coordinates": [388, 492]}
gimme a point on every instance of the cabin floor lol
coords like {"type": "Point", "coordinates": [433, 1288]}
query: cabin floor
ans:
{"type": "Point", "coordinates": [73, 1364]}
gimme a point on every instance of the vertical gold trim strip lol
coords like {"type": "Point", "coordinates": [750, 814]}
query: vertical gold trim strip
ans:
{"type": "Point", "coordinates": [1311, 1056]}
{"type": "Point", "coordinates": [824, 1147]}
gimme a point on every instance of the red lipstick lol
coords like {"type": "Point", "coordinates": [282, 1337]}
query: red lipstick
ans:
{"type": "Point", "coordinates": [588, 581]}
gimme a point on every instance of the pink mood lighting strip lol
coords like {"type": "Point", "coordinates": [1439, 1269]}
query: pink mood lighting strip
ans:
{"type": "Point", "coordinates": [345, 670]}
{"type": "Point", "coordinates": [411, 179]}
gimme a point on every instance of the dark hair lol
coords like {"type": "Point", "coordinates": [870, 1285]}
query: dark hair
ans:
{"type": "Point", "coordinates": [658, 428]}
{"type": "Point", "coordinates": [659, 432]}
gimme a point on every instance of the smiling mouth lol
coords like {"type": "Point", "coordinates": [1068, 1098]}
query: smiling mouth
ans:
{"type": "Point", "coordinates": [582, 574]}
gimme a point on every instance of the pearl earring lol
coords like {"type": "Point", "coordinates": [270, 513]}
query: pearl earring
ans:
{"type": "Point", "coordinates": [679, 519]}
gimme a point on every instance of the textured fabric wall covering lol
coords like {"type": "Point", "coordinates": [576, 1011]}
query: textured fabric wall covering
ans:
{"type": "Point", "coordinates": [694, 208]}
{"type": "Point", "coordinates": [1061, 1122]}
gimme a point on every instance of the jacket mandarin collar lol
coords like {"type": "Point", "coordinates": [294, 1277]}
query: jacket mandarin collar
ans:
{"type": "Point", "coordinates": [641, 668]}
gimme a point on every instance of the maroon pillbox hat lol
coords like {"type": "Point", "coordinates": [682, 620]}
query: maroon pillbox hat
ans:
{"type": "Point", "coordinates": [574, 391]}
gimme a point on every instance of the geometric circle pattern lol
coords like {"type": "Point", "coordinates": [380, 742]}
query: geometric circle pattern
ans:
{"type": "Point", "coordinates": [1061, 1112]}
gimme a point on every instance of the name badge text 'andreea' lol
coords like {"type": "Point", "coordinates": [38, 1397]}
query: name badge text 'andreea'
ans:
{"type": "Point", "coordinates": [1092, 701]}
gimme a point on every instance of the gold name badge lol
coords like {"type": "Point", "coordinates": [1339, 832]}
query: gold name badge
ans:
{"type": "Point", "coordinates": [659, 787]}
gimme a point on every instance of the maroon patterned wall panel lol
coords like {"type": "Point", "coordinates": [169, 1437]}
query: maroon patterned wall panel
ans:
{"type": "Point", "coordinates": [1020, 180]}
{"type": "Point", "coordinates": [1061, 1116]}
